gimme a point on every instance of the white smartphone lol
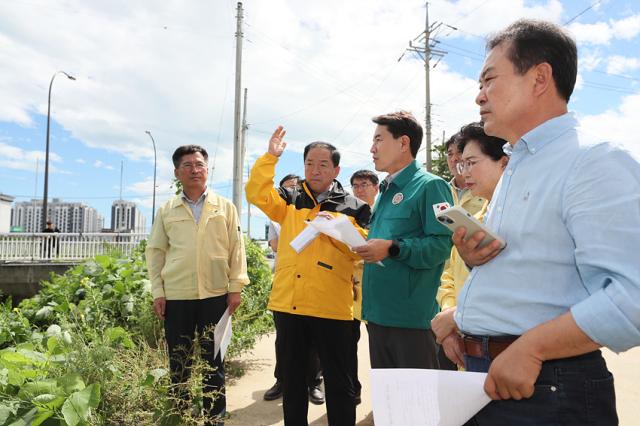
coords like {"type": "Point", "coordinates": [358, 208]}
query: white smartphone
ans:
{"type": "Point", "coordinates": [456, 217]}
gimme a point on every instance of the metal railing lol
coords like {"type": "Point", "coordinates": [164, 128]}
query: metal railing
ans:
{"type": "Point", "coordinates": [36, 247]}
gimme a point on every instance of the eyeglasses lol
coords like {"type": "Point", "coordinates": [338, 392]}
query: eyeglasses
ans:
{"type": "Point", "coordinates": [361, 185]}
{"type": "Point", "coordinates": [192, 166]}
{"type": "Point", "coordinates": [466, 165]}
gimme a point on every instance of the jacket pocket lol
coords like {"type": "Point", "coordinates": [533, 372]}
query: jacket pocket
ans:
{"type": "Point", "coordinates": [218, 275]}
{"type": "Point", "coordinates": [180, 230]}
{"type": "Point", "coordinates": [217, 236]}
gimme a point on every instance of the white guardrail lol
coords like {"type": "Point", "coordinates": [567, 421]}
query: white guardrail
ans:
{"type": "Point", "coordinates": [20, 246]}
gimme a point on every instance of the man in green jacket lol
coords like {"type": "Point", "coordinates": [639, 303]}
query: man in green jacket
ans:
{"type": "Point", "coordinates": [399, 297]}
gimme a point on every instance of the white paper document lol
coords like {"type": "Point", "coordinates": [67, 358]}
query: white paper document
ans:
{"type": "Point", "coordinates": [412, 397]}
{"type": "Point", "coordinates": [222, 334]}
{"type": "Point", "coordinates": [339, 228]}
{"type": "Point", "coordinates": [304, 238]}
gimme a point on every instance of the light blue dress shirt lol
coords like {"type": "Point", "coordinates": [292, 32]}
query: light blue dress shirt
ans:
{"type": "Point", "coordinates": [570, 213]}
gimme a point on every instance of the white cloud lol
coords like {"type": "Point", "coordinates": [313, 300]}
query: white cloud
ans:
{"type": "Point", "coordinates": [80, 161]}
{"type": "Point", "coordinates": [617, 64]}
{"type": "Point", "coordinates": [604, 32]}
{"type": "Point", "coordinates": [590, 59]}
{"type": "Point", "coordinates": [16, 158]}
{"type": "Point", "coordinates": [626, 28]}
{"type": "Point", "coordinates": [101, 165]}
{"type": "Point", "coordinates": [613, 125]}
{"type": "Point", "coordinates": [322, 69]}
{"type": "Point", "coordinates": [480, 17]}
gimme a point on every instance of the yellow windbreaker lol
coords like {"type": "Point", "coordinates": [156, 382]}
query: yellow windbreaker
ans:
{"type": "Point", "coordinates": [317, 281]}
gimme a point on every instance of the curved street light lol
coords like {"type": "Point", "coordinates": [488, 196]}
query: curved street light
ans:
{"type": "Point", "coordinates": [45, 195]}
{"type": "Point", "coordinates": [153, 211]}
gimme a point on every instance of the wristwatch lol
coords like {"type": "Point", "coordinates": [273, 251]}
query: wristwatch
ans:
{"type": "Point", "coordinates": [394, 248]}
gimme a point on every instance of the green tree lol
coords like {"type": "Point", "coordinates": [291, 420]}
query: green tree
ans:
{"type": "Point", "coordinates": [439, 162]}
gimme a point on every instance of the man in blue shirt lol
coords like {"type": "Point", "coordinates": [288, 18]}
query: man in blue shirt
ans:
{"type": "Point", "coordinates": [535, 314]}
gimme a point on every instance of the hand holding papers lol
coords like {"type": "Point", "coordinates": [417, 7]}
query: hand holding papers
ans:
{"type": "Point", "coordinates": [339, 228]}
{"type": "Point", "coordinates": [426, 397]}
{"type": "Point", "coordinates": [222, 335]}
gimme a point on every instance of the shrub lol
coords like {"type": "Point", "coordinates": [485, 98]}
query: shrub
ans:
{"type": "Point", "coordinates": [87, 349]}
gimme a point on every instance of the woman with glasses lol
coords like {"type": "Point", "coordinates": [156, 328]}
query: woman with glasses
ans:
{"type": "Point", "coordinates": [483, 161]}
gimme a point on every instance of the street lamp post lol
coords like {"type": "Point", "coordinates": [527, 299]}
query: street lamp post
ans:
{"type": "Point", "coordinates": [155, 159]}
{"type": "Point", "coordinates": [45, 195]}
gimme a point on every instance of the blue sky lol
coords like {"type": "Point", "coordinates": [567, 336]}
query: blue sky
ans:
{"type": "Point", "coordinates": [321, 69]}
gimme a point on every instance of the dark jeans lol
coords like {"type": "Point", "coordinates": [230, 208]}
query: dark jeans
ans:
{"type": "Point", "coordinates": [569, 391]}
{"type": "Point", "coordinates": [314, 372]}
{"type": "Point", "coordinates": [183, 319]}
{"type": "Point", "coordinates": [394, 347]}
{"type": "Point", "coordinates": [332, 339]}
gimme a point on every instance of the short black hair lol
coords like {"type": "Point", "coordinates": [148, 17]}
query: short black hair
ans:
{"type": "Point", "coordinates": [289, 177]}
{"type": "Point", "coordinates": [183, 150]}
{"type": "Point", "coordinates": [490, 146]}
{"type": "Point", "coordinates": [451, 140]}
{"type": "Point", "coordinates": [335, 154]}
{"type": "Point", "coordinates": [533, 42]}
{"type": "Point", "coordinates": [365, 174]}
{"type": "Point", "coordinates": [402, 123]}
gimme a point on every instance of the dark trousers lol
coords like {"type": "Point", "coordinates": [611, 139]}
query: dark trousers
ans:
{"type": "Point", "coordinates": [183, 319]}
{"type": "Point", "coordinates": [569, 391]}
{"type": "Point", "coordinates": [354, 356]}
{"type": "Point", "coordinates": [394, 347]}
{"type": "Point", "coordinates": [314, 372]}
{"type": "Point", "coordinates": [332, 339]}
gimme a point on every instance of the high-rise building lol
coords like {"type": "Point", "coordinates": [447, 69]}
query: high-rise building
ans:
{"type": "Point", "coordinates": [68, 217]}
{"type": "Point", "coordinates": [5, 212]}
{"type": "Point", "coordinates": [127, 217]}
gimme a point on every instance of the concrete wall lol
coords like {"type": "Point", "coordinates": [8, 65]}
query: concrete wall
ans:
{"type": "Point", "coordinates": [22, 280]}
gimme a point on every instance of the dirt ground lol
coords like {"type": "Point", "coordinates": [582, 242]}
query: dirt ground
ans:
{"type": "Point", "coordinates": [247, 408]}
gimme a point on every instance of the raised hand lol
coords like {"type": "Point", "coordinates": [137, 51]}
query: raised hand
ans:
{"type": "Point", "coordinates": [276, 144]}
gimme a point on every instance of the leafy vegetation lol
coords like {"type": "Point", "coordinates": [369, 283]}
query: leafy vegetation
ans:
{"type": "Point", "coordinates": [439, 164]}
{"type": "Point", "coordinates": [88, 350]}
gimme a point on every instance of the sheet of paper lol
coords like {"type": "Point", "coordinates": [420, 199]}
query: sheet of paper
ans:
{"type": "Point", "coordinates": [304, 238]}
{"type": "Point", "coordinates": [339, 228]}
{"type": "Point", "coordinates": [426, 397]}
{"type": "Point", "coordinates": [222, 334]}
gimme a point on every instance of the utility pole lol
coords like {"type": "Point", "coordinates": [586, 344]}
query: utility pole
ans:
{"type": "Point", "coordinates": [155, 166]}
{"type": "Point", "coordinates": [35, 189]}
{"type": "Point", "coordinates": [237, 143]}
{"type": "Point", "coordinates": [244, 151]}
{"type": "Point", "coordinates": [423, 46]}
{"type": "Point", "coordinates": [121, 176]}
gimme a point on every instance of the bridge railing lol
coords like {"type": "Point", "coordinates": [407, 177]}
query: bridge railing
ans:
{"type": "Point", "coordinates": [35, 247]}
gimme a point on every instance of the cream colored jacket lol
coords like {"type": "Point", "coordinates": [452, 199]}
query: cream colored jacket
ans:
{"type": "Point", "coordinates": [188, 260]}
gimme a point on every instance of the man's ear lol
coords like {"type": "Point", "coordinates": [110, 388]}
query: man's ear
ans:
{"type": "Point", "coordinates": [175, 173]}
{"type": "Point", "coordinates": [543, 74]}
{"type": "Point", "coordinates": [505, 161]}
{"type": "Point", "coordinates": [406, 143]}
{"type": "Point", "coordinates": [337, 172]}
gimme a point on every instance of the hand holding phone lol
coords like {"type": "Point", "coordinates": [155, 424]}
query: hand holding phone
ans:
{"type": "Point", "coordinates": [456, 217]}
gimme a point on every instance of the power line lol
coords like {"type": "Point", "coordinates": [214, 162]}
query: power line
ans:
{"type": "Point", "coordinates": [582, 13]}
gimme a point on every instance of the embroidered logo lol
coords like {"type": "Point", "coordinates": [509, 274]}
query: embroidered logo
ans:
{"type": "Point", "coordinates": [397, 198]}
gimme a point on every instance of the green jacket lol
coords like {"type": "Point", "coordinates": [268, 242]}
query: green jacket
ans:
{"type": "Point", "coordinates": [403, 292]}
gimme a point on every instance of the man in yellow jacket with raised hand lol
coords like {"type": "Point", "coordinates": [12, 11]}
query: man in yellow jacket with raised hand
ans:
{"type": "Point", "coordinates": [312, 295]}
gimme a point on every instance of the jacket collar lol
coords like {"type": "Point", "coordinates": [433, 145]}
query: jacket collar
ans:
{"type": "Point", "coordinates": [403, 178]}
{"type": "Point", "coordinates": [336, 193]}
{"type": "Point", "coordinates": [211, 199]}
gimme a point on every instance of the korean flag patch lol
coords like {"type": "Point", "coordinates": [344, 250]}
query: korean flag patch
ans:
{"type": "Point", "coordinates": [440, 207]}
